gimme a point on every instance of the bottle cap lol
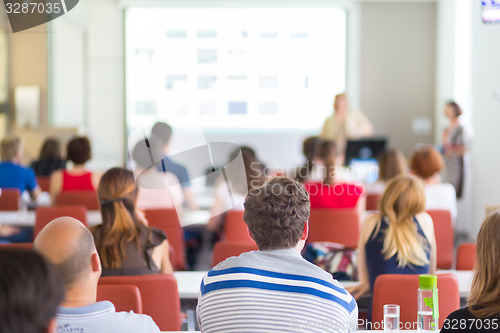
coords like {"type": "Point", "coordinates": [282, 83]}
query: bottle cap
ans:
{"type": "Point", "coordinates": [427, 281]}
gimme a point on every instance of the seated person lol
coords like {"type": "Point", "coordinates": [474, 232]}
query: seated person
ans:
{"type": "Point", "coordinates": [398, 240]}
{"type": "Point", "coordinates": [78, 177]}
{"type": "Point", "coordinates": [157, 189]}
{"type": "Point", "coordinates": [391, 163]}
{"type": "Point", "coordinates": [274, 289]}
{"type": "Point", "coordinates": [305, 172]}
{"type": "Point", "coordinates": [483, 311]}
{"type": "Point", "coordinates": [50, 158]}
{"type": "Point", "coordinates": [427, 163]}
{"type": "Point", "coordinates": [67, 244]}
{"type": "Point", "coordinates": [330, 193]}
{"type": "Point", "coordinates": [126, 245]}
{"type": "Point", "coordinates": [31, 292]}
{"type": "Point", "coordinates": [163, 133]}
{"type": "Point", "coordinates": [225, 200]}
{"type": "Point", "coordinates": [12, 173]}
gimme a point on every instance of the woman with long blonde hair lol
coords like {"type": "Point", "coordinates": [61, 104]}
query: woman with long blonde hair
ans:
{"type": "Point", "coordinates": [400, 238]}
{"type": "Point", "coordinates": [483, 312]}
{"type": "Point", "coordinates": [126, 245]}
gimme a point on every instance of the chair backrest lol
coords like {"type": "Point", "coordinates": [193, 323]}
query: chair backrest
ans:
{"type": "Point", "coordinates": [225, 249]}
{"type": "Point", "coordinates": [86, 198]}
{"type": "Point", "coordinates": [334, 225]}
{"type": "Point", "coordinates": [235, 229]}
{"type": "Point", "coordinates": [402, 289]}
{"type": "Point", "coordinates": [466, 256]}
{"type": "Point", "coordinates": [9, 199]}
{"type": "Point", "coordinates": [16, 246]}
{"type": "Point", "coordinates": [46, 214]}
{"type": "Point", "coordinates": [125, 297]}
{"type": "Point", "coordinates": [43, 182]}
{"type": "Point", "coordinates": [445, 235]}
{"type": "Point", "coordinates": [159, 295]}
{"type": "Point", "coordinates": [372, 201]}
{"type": "Point", "coordinates": [166, 219]}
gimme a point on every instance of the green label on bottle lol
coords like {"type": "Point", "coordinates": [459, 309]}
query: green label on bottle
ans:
{"type": "Point", "coordinates": [433, 303]}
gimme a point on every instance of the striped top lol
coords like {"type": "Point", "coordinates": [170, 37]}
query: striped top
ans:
{"type": "Point", "coordinates": [273, 291]}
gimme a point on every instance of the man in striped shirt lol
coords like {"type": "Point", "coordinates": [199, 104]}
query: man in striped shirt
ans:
{"type": "Point", "coordinates": [274, 289]}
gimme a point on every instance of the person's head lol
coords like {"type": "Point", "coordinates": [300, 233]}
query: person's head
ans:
{"type": "Point", "coordinates": [403, 198]}
{"type": "Point", "coordinates": [117, 194]}
{"type": "Point", "coordinates": [51, 150]}
{"type": "Point", "coordinates": [78, 150]}
{"type": "Point", "coordinates": [309, 149]}
{"type": "Point", "coordinates": [391, 163]}
{"type": "Point", "coordinates": [327, 152]}
{"type": "Point", "coordinates": [30, 292]}
{"type": "Point", "coordinates": [145, 150]}
{"type": "Point", "coordinates": [69, 246]}
{"type": "Point", "coordinates": [341, 104]}
{"type": "Point", "coordinates": [10, 149]}
{"type": "Point", "coordinates": [276, 214]}
{"type": "Point", "coordinates": [163, 132]}
{"type": "Point", "coordinates": [426, 162]}
{"type": "Point", "coordinates": [452, 110]}
{"type": "Point", "coordinates": [253, 169]}
{"type": "Point", "coordinates": [485, 290]}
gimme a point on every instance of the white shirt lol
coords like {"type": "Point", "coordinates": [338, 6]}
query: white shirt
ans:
{"type": "Point", "coordinates": [441, 196]}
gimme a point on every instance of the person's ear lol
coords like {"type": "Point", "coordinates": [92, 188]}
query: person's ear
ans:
{"type": "Point", "coordinates": [305, 232]}
{"type": "Point", "coordinates": [250, 234]}
{"type": "Point", "coordinates": [52, 326]}
{"type": "Point", "coordinates": [96, 263]}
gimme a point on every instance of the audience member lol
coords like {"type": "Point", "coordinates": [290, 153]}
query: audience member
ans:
{"type": "Point", "coordinates": [126, 245]}
{"type": "Point", "coordinates": [274, 289]}
{"type": "Point", "coordinates": [157, 189]}
{"type": "Point", "coordinates": [483, 312]}
{"type": "Point", "coordinates": [345, 124]}
{"type": "Point", "coordinates": [31, 292]}
{"type": "Point", "coordinates": [305, 172]}
{"type": "Point", "coordinates": [12, 173]}
{"type": "Point", "coordinates": [50, 158]}
{"type": "Point", "coordinates": [163, 132]}
{"type": "Point", "coordinates": [398, 240]}
{"type": "Point", "coordinates": [391, 163]}
{"type": "Point", "coordinates": [330, 193]}
{"type": "Point", "coordinates": [454, 148]}
{"type": "Point", "coordinates": [78, 177]}
{"type": "Point", "coordinates": [70, 247]}
{"type": "Point", "coordinates": [426, 163]}
{"type": "Point", "coordinates": [239, 186]}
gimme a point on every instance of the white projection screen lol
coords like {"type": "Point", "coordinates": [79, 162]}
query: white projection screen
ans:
{"type": "Point", "coordinates": [233, 68]}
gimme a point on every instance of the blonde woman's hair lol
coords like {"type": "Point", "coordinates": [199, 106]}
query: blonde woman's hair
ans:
{"type": "Point", "coordinates": [403, 198]}
{"type": "Point", "coordinates": [484, 300]}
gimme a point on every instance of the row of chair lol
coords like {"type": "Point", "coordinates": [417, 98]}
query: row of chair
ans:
{"type": "Point", "coordinates": [10, 199]}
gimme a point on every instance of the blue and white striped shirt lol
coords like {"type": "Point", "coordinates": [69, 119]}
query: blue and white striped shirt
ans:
{"type": "Point", "coordinates": [273, 291]}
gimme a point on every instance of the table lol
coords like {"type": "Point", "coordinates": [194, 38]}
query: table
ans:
{"type": "Point", "coordinates": [188, 283]}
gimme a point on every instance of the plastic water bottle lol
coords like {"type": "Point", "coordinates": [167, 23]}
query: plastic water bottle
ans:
{"type": "Point", "coordinates": [428, 306]}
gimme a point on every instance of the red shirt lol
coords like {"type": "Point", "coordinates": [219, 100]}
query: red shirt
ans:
{"type": "Point", "coordinates": [339, 195]}
{"type": "Point", "coordinates": [80, 182]}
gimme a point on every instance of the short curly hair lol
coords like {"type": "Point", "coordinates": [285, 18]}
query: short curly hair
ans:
{"type": "Point", "coordinates": [276, 213]}
{"type": "Point", "coordinates": [426, 162]}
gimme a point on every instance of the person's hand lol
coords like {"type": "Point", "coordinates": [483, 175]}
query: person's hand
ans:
{"type": "Point", "coordinates": [6, 231]}
{"type": "Point", "coordinates": [359, 290]}
{"type": "Point", "coordinates": [141, 216]}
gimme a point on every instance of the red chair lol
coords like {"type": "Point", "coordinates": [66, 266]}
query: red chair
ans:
{"type": "Point", "coordinates": [43, 182]}
{"type": "Point", "coordinates": [466, 256]}
{"type": "Point", "coordinates": [402, 289]}
{"type": "Point", "coordinates": [124, 297]}
{"type": "Point", "coordinates": [9, 199]}
{"type": "Point", "coordinates": [235, 229]}
{"type": "Point", "coordinates": [17, 246]}
{"type": "Point", "coordinates": [86, 198]}
{"type": "Point", "coordinates": [334, 225]}
{"type": "Point", "coordinates": [46, 214]}
{"type": "Point", "coordinates": [372, 201]}
{"type": "Point", "coordinates": [445, 234]}
{"type": "Point", "coordinates": [159, 295]}
{"type": "Point", "coordinates": [166, 219]}
{"type": "Point", "coordinates": [226, 249]}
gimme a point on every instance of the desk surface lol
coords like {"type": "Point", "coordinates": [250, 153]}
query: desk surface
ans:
{"type": "Point", "coordinates": [188, 283]}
